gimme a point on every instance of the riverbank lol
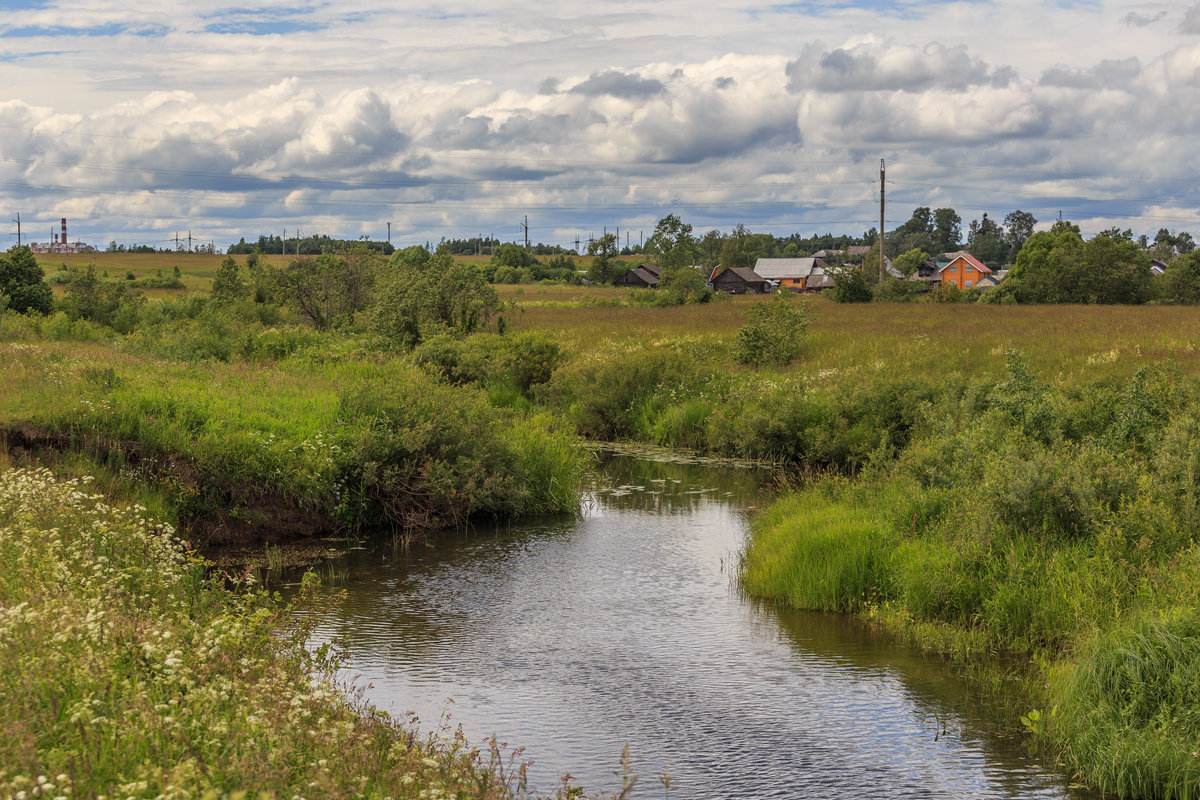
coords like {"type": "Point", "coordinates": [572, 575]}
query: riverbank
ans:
{"type": "Point", "coordinates": [1054, 523]}
{"type": "Point", "coordinates": [128, 671]}
{"type": "Point", "coordinates": [332, 439]}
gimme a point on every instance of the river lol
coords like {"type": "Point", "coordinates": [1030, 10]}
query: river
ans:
{"type": "Point", "coordinates": [576, 636]}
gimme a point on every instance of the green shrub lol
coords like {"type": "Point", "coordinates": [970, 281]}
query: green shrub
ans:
{"type": "Point", "coordinates": [773, 332]}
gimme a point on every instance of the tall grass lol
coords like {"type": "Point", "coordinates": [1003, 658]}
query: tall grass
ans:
{"type": "Point", "coordinates": [816, 553]}
{"type": "Point", "coordinates": [126, 672]}
{"type": "Point", "coordinates": [1058, 524]}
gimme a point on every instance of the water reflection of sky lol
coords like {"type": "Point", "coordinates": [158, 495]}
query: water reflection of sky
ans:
{"type": "Point", "coordinates": [576, 636]}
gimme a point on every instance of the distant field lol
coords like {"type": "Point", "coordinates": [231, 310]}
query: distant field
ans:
{"type": "Point", "coordinates": [1061, 342]}
{"type": "Point", "coordinates": [920, 337]}
{"type": "Point", "coordinates": [196, 270]}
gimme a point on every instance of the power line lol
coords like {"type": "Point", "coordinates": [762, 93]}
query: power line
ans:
{"type": "Point", "coordinates": [418, 182]}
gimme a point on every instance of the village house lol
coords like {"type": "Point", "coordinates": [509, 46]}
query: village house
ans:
{"type": "Point", "coordinates": [643, 276]}
{"type": "Point", "coordinates": [853, 254]}
{"type": "Point", "coordinates": [791, 273]}
{"type": "Point", "coordinates": [738, 280]}
{"type": "Point", "coordinates": [962, 270]}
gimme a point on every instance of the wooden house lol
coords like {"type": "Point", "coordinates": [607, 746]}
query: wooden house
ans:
{"type": "Point", "coordinates": [739, 280]}
{"type": "Point", "coordinates": [789, 273]}
{"type": "Point", "coordinates": [642, 276]}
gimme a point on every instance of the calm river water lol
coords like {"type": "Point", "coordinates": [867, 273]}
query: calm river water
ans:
{"type": "Point", "coordinates": [577, 636]}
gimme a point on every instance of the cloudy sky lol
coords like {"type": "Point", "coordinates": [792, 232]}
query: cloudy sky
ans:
{"type": "Point", "coordinates": [450, 119]}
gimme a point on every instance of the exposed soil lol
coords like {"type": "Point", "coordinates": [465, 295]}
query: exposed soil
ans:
{"type": "Point", "coordinates": [250, 518]}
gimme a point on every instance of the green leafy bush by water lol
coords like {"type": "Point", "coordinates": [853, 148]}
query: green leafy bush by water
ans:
{"type": "Point", "coordinates": [1058, 524]}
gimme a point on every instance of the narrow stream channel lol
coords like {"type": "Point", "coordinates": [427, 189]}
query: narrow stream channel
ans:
{"type": "Point", "coordinates": [623, 626]}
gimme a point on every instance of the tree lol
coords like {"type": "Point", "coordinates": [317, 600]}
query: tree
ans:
{"type": "Point", "coordinates": [1062, 226]}
{"type": "Point", "coordinates": [1180, 282]}
{"type": "Point", "coordinates": [602, 251]}
{"type": "Point", "coordinates": [1018, 226]}
{"type": "Point", "coordinates": [437, 295]}
{"type": "Point", "coordinates": [23, 283]}
{"type": "Point", "coordinates": [228, 286]}
{"type": "Point", "coordinates": [672, 245]}
{"type": "Point", "coordinates": [108, 304]}
{"type": "Point", "coordinates": [512, 255]}
{"type": "Point", "coordinates": [710, 249]}
{"type": "Point", "coordinates": [740, 249]}
{"type": "Point", "coordinates": [1057, 266]}
{"type": "Point", "coordinates": [947, 230]}
{"type": "Point", "coordinates": [984, 241]}
{"type": "Point", "coordinates": [907, 263]}
{"type": "Point", "coordinates": [328, 289]}
{"type": "Point", "coordinates": [917, 233]}
{"type": "Point", "coordinates": [850, 285]}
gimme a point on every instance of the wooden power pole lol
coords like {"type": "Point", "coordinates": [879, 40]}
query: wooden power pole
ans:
{"type": "Point", "coordinates": [882, 189]}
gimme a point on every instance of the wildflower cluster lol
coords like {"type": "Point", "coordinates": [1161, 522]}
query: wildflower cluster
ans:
{"type": "Point", "coordinates": [128, 673]}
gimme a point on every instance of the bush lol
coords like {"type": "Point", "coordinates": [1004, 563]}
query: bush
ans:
{"type": "Point", "coordinates": [419, 455]}
{"type": "Point", "coordinates": [850, 285]}
{"type": "Point", "coordinates": [895, 290]}
{"type": "Point", "coordinates": [773, 332]}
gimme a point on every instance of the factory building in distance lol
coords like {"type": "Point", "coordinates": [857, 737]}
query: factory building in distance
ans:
{"type": "Point", "coordinates": [60, 244]}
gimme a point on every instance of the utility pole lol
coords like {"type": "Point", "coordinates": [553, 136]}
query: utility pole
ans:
{"type": "Point", "coordinates": [525, 226]}
{"type": "Point", "coordinates": [189, 241]}
{"type": "Point", "coordinates": [576, 242]}
{"type": "Point", "coordinates": [882, 173]}
{"type": "Point", "coordinates": [18, 221]}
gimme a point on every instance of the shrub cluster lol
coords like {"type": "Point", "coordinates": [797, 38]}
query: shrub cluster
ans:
{"type": "Point", "coordinates": [1029, 519]}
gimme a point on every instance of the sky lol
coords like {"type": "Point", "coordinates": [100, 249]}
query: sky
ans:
{"type": "Point", "coordinates": [453, 119]}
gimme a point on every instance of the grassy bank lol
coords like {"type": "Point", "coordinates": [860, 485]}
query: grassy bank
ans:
{"type": "Point", "coordinates": [328, 437]}
{"type": "Point", "coordinates": [1057, 523]}
{"type": "Point", "coordinates": [128, 673]}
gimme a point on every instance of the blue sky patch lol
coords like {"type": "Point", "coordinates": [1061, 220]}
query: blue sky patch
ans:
{"type": "Point", "coordinates": [8, 58]}
{"type": "Point", "coordinates": [265, 27]}
{"type": "Point", "coordinates": [112, 29]}
{"type": "Point", "coordinates": [893, 8]}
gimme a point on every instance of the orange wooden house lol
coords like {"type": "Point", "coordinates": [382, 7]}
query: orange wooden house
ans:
{"type": "Point", "coordinates": [963, 270]}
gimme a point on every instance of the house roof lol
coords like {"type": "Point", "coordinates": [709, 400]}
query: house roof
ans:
{"type": "Point", "coordinates": [968, 258]}
{"type": "Point", "coordinates": [748, 275]}
{"type": "Point", "coordinates": [790, 268]}
{"type": "Point", "coordinates": [653, 269]}
{"type": "Point", "coordinates": [647, 277]}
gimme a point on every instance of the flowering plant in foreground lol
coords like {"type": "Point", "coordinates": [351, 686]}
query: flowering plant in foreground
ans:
{"type": "Point", "coordinates": [127, 670]}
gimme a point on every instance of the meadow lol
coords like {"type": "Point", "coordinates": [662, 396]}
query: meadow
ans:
{"type": "Point", "coordinates": [993, 482]}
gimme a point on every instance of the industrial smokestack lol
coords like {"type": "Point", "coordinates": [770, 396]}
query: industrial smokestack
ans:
{"type": "Point", "coordinates": [63, 240]}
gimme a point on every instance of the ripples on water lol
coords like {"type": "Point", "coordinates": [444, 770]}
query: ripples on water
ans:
{"type": "Point", "coordinates": [578, 636]}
